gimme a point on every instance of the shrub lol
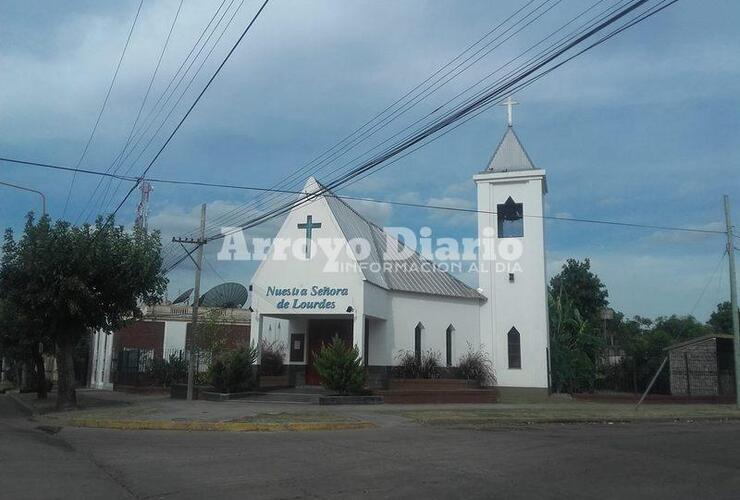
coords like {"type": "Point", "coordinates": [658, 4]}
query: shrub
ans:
{"type": "Point", "coordinates": [408, 366]}
{"type": "Point", "coordinates": [430, 365]}
{"type": "Point", "coordinates": [232, 371]}
{"type": "Point", "coordinates": [273, 353]}
{"type": "Point", "coordinates": [166, 372]}
{"type": "Point", "coordinates": [475, 365]}
{"type": "Point", "coordinates": [340, 367]}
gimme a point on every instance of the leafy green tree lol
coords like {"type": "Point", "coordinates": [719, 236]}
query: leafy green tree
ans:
{"type": "Point", "coordinates": [212, 333]}
{"type": "Point", "coordinates": [22, 339]}
{"type": "Point", "coordinates": [582, 289]}
{"type": "Point", "coordinates": [679, 328]}
{"type": "Point", "coordinates": [340, 367]}
{"type": "Point", "coordinates": [643, 343]}
{"type": "Point", "coordinates": [576, 346]}
{"type": "Point", "coordinates": [721, 318]}
{"type": "Point", "coordinates": [77, 279]}
{"type": "Point", "coordinates": [576, 298]}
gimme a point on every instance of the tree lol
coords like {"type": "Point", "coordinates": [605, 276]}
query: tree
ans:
{"type": "Point", "coordinates": [212, 334]}
{"type": "Point", "coordinates": [77, 279]}
{"type": "Point", "coordinates": [583, 289]}
{"type": "Point", "coordinates": [721, 319]}
{"type": "Point", "coordinates": [576, 347]}
{"type": "Point", "coordinates": [576, 298]}
{"type": "Point", "coordinates": [22, 339]}
{"type": "Point", "coordinates": [679, 328]}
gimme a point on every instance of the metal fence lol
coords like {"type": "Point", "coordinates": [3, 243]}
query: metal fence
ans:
{"type": "Point", "coordinates": [139, 367]}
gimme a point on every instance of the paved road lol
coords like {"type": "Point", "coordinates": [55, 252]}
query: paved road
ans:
{"type": "Point", "coordinates": [398, 461]}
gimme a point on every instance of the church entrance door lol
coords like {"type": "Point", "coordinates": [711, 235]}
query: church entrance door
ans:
{"type": "Point", "coordinates": [321, 332]}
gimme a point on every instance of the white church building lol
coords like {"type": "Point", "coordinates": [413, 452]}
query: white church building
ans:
{"type": "Point", "coordinates": [349, 277]}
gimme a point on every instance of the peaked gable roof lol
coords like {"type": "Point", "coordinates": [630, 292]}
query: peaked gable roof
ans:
{"type": "Point", "coordinates": [510, 155]}
{"type": "Point", "coordinates": [415, 274]}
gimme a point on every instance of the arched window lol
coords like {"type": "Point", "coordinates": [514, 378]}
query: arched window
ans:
{"type": "Point", "coordinates": [510, 219]}
{"type": "Point", "coordinates": [448, 344]}
{"type": "Point", "coordinates": [513, 340]}
{"type": "Point", "coordinates": [417, 341]}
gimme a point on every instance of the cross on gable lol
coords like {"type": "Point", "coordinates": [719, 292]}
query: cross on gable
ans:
{"type": "Point", "coordinates": [309, 226]}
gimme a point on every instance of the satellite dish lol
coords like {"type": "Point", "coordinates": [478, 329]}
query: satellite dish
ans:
{"type": "Point", "coordinates": [225, 295]}
{"type": "Point", "coordinates": [183, 297]}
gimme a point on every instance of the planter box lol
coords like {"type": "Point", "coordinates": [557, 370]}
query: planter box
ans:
{"type": "Point", "coordinates": [436, 391]}
{"type": "Point", "coordinates": [350, 400]}
{"type": "Point", "coordinates": [468, 396]}
{"type": "Point", "coordinates": [431, 384]}
{"type": "Point", "coordinates": [274, 381]}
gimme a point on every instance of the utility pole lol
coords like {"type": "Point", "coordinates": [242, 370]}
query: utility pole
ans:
{"type": "Point", "coordinates": [200, 243]}
{"type": "Point", "coordinates": [733, 297]}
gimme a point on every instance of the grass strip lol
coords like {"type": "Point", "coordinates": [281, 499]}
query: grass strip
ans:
{"type": "Point", "coordinates": [168, 425]}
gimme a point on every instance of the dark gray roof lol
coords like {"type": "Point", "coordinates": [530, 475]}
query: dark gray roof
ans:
{"type": "Point", "coordinates": [413, 274]}
{"type": "Point", "coordinates": [697, 340]}
{"type": "Point", "coordinates": [510, 155]}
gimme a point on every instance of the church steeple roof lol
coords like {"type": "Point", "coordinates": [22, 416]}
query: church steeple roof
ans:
{"type": "Point", "coordinates": [510, 155]}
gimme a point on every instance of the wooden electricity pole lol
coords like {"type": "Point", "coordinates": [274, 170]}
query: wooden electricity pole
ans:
{"type": "Point", "coordinates": [198, 261]}
{"type": "Point", "coordinates": [733, 296]}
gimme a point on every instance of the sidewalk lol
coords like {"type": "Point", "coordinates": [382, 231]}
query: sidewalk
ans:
{"type": "Point", "coordinates": [120, 410]}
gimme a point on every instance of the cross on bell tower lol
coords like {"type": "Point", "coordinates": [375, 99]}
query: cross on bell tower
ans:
{"type": "Point", "coordinates": [509, 103]}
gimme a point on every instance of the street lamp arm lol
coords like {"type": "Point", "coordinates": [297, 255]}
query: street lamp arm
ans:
{"type": "Point", "coordinates": [22, 188]}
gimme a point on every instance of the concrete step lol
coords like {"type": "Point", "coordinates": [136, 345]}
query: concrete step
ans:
{"type": "Point", "coordinates": [284, 397]}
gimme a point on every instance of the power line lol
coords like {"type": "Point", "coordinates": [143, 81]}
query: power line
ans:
{"type": "Point", "coordinates": [197, 99]}
{"type": "Point", "coordinates": [471, 107]}
{"type": "Point", "coordinates": [428, 92]}
{"type": "Point", "coordinates": [711, 278]}
{"type": "Point", "coordinates": [467, 110]}
{"type": "Point", "coordinates": [102, 108]}
{"type": "Point", "coordinates": [257, 200]}
{"type": "Point", "coordinates": [356, 198]}
{"type": "Point", "coordinates": [174, 89]}
{"type": "Point", "coordinates": [141, 109]}
{"type": "Point", "coordinates": [417, 139]}
{"type": "Point", "coordinates": [361, 136]}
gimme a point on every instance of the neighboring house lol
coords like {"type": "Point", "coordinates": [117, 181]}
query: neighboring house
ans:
{"type": "Point", "coordinates": [164, 330]}
{"type": "Point", "coordinates": [703, 366]}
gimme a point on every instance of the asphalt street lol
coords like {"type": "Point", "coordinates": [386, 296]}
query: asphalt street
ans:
{"type": "Point", "coordinates": [399, 461]}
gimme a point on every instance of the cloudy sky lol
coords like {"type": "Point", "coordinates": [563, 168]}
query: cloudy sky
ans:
{"type": "Point", "coordinates": [642, 129]}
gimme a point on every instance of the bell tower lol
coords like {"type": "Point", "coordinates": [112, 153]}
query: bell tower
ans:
{"type": "Point", "coordinates": [514, 319]}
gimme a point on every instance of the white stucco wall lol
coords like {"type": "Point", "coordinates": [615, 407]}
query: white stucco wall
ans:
{"type": "Point", "coordinates": [435, 314]}
{"type": "Point", "coordinates": [299, 274]}
{"type": "Point", "coordinates": [174, 336]}
{"type": "Point", "coordinates": [523, 303]}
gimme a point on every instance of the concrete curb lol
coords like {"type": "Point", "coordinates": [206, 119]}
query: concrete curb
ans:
{"type": "Point", "coordinates": [585, 420]}
{"type": "Point", "coordinates": [168, 425]}
{"type": "Point", "coordinates": [24, 407]}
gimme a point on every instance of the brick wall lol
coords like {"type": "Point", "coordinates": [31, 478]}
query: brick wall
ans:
{"type": "Point", "coordinates": [141, 335]}
{"type": "Point", "coordinates": [236, 335]}
{"type": "Point", "coordinates": [702, 369]}
{"type": "Point", "coordinates": [150, 335]}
